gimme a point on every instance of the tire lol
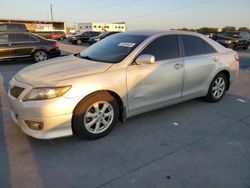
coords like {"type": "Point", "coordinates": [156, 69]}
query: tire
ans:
{"type": "Point", "coordinates": [217, 88]}
{"type": "Point", "coordinates": [40, 55]}
{"type": "Point", "coordinates": [78, 42]}
{"type": "Point", "coordinates": [90, 123]}
{"type": "Point", "coordinates": [246, 46]}
{"type": "Point", "coordinates": [233, 46]}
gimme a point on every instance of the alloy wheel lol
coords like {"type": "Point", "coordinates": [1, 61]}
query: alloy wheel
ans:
{"type": "Point", "coordinates": [41, 56]}
{"type": "Point", "coordinates": [218, 87]}
{"type": "Point", "coordinates": [99, 117]}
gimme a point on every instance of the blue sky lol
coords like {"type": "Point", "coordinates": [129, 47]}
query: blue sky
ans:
{"type": "Point", "coordinates": [138, 14]}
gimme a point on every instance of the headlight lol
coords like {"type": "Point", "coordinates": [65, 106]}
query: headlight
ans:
{"type": "Point", "coordinates": [228, 41]}
{"type": "Point", "coordinates": [46, 93]}
{"type": "Point", "coordinates": [97, 39]}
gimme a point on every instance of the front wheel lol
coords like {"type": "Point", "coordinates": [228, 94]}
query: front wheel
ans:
{"type": "Point", "coordinates": [79, 42]}
{"type": "Point", "coordinates": [95, 116]}
{"type": "Point", "coordinates": [246, 46]}
{"type": "Point", "coordinates": [217, 88]}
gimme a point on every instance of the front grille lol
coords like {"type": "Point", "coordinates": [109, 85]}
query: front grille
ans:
{"type": "Point", "coordinates": [16, 91]}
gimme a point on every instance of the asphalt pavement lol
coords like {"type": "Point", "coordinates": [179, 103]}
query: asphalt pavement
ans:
{"type": "Point", "coordinates": [192, 144]}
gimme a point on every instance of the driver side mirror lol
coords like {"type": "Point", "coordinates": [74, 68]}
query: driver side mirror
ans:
{"type": "Point", "coordinates": [145, 59]}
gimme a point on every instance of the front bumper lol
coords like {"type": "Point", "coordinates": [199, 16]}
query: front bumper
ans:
{"type": "Point", "coordinates": [55, 114]}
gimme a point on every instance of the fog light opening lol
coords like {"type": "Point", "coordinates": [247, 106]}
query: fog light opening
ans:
{"type": "Point", "coordinates": [34, 125]}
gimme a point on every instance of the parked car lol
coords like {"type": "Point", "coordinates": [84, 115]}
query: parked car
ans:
{"type": "Point", "coordinates": [121, 76]}
{"type": "Point", "coordinates": [55, 35]}
{"type": "Point", "coordinates": [234, 40]}
{"type": "Point", "coordinates": [16, 45]}
{"type": "Point", "coordinates": [81, 37]}
{"type": "Point", "coordinates": [93, 40]}
{"type": "Point", "coordinates": [13, 27]}
{"type": "Point", "coordinates": [58, 35]}
{"type": "Point", "coordinates": [68, 35]}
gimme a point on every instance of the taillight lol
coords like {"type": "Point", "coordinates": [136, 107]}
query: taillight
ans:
{"type": "Point", "coordinates": [55, 45]}
{"type": "Point", "coordinates": [237, 57]}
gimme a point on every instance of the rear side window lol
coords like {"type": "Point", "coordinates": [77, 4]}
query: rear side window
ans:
{"type": "Point", "coordinates": [196, 46]}
{"type": "Point", "coordinates": [163, 48]}
{"type": "Point", "coordinates": [209, 48]}
{"type": "Point", "coordinates": [21, 38]}
{"type": "Point", "coordinates": [4, 39]}
{"type": "Point", "coordinates": [193, 45]}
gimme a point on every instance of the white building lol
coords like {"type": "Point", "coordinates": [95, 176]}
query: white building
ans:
{"type": "Point", "coordinates": [103, 27]}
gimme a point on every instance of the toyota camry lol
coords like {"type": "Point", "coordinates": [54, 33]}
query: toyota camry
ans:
{"type": "Point", "coordinates": [121, 76]}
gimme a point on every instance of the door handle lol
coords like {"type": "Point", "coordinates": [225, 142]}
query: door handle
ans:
{"type": "Point", "coordinates": [178, 66]}
{"type": "Point", "coordinates": [9, 44]}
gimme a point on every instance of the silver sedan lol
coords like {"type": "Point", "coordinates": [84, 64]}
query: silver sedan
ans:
{"type": "Point", "coordinates": [119, 77]}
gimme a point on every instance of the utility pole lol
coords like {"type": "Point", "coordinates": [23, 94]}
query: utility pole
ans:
{"type": "Point", "coordinates": [51, 13]}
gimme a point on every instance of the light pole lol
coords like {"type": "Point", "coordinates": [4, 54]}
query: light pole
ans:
{"type": "Point", "coordinates": [52, 17]}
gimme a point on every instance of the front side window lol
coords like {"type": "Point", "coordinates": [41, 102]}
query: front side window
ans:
{"type": "Point", "coordinates": [4, 39]}
{"type": "Point", "coordinates": [113, 49]}
{"type": "Point", "coordinates": [163, 48]}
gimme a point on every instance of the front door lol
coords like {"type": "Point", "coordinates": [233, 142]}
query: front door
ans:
{"type": "Point", "coordinates": [153, 84]}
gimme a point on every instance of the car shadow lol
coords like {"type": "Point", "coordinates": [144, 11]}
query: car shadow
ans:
{"type": "Point", "coordinates": [71, 161]}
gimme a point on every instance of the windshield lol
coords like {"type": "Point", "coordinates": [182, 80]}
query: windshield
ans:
{"type": "Point", "coordinates": [78, 33]}
{"type": "Point", "coordinates": [104, 34]}
{"type": "Point", "coordinates": [232, 34]}
{"type": "Point", "coordinates": [113, 49]}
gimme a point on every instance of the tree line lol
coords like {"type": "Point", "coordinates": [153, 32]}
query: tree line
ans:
{"type": "Point", "coordinates": [208, 30]}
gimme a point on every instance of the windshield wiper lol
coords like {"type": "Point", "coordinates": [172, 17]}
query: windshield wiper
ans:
{"type": "Point", "coordinates": [85, 57]}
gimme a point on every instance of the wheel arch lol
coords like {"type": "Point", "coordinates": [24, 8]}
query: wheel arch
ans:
{"type": "Point", "coordinates": [227, 74]}
{"type": "Point", "coordinates": [122, 109]}
{"type": "Point", "coordinates": [41, 48]}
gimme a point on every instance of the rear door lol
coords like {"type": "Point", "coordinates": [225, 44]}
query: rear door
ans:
{"type": "Point", "coordinates": [200, 65]}
{"type": "Point", "coordinates": [23, 44]}
{"type": "Point", "coordinates": [5, 47]}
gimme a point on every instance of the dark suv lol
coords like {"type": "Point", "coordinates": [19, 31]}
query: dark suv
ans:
{"type": "Point", "coordinates": [79, 38]}
{"type": "Point", "coordinates": [26, 45]}
{"type": "Point", "coordinates": [234, 40]}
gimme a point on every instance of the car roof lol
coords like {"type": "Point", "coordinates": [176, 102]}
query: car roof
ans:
{"type": "Point", "coordinates": [155, 33]}
{"type": "Point", "coordinates": [11, 23]}
{"type": "Point", "coordinates": [14, 32]}
{"type": "Point", "coordinates": [159, 32]}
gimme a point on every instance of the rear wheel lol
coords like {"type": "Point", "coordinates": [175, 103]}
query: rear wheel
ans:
{"type": "Point", "coordinates": [79, 42]}
{"type": "Point", "coordinates": [217, 88]}
{"type": "Point", "coordinates": [95, 116]}
{"type": "Point", "coordinates": [40, 55]}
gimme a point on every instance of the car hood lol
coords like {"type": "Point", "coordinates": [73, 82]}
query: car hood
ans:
{"type": "Point", "coordinates": [53, 71]}
{"type": "Point", "coordinates": [227, 38]}
{"type": "Point", "coordinates": [76, 35]}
